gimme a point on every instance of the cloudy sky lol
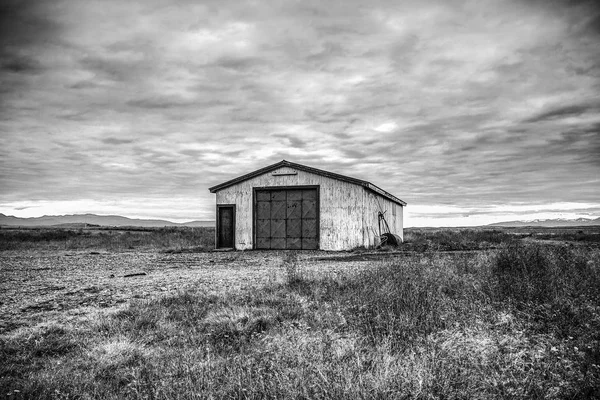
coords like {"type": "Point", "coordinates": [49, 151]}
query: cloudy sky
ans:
{"type": "Point", "coordinates": [470, 111]}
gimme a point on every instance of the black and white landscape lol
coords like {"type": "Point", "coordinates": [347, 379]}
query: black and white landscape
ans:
{"type": "Point", "coordinates": [436, 163]}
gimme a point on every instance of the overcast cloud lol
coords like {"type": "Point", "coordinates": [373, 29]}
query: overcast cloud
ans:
{"type": "Point", "coordinates": [470, 111]}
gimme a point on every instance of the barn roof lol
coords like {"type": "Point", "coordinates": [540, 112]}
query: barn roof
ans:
{"type": "Point", "coordinates": [305, 168]}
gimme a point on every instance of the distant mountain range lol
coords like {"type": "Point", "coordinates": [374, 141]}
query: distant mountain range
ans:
{"type": "Point", "coordinates": [93, 219]}
{"type": "Point", "coordinates": [550, 222]}
{"type": "Point", "coordinates": [78, 220]}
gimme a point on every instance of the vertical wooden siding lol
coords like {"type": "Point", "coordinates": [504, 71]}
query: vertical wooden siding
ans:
{"type": "Point", "coordinates": [374, 203]}
{"type": "Point", "coordinates": [343, 223]}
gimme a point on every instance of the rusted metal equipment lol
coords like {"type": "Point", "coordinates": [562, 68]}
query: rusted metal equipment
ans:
{"type": "Point", "coordinates": [387, 238]}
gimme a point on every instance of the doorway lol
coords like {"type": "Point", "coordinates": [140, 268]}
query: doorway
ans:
{"type": "Point", "coordinates": [225, 226]}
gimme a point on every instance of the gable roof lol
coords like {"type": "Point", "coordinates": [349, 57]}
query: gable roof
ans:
{"type": "Point", "coordinates": [284, 163]}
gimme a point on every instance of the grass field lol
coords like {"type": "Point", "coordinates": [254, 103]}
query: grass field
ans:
{"type": "Point", "coordinates": [451, 314]}
{"type": "Point", "coordinates": [113, 239]}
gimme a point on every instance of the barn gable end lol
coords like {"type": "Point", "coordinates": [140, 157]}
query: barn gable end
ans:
{"type": "Point", "coordinates": [344, 209]}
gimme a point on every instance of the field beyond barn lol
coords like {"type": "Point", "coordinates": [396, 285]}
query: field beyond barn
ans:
{"type": "Point", "coordinates": [153, 314]}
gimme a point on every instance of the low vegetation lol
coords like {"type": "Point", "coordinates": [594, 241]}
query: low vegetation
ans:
{"type": "Point", "coordinates": [176, 239]}
{"type": "Point", "coordinates": [518, 320]}
{"type": "Point", "coordinates": [465, 239]}
{"type": "Point", "coordinates": [423, 239]}
{"type": "Point", "coordinates": [581, 235]}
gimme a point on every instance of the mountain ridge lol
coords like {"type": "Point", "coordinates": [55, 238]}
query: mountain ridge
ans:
{"type": "Point", "coordinates": [558, 222]}
{"type": "Point", "coordinates": [94, 219]}
{"type": "Point", "coordinates": [118, 220]}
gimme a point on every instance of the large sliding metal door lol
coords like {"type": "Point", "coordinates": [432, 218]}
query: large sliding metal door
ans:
{"type": "Point", "coordinates": [286, 218]}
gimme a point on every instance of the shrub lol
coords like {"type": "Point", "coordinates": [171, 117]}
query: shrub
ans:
{"type": "Point", "coordinates": [538, 273]}
{"type": "Point", "coordinates": [172, 239]}
{"type": "Point", "coordinates": [454, 239]}
{"type": "Point", "coordinates": [553, 286]}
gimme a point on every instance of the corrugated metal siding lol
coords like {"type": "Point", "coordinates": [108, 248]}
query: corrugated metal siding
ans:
{"type": "Point", "coordinates": [343, 224]}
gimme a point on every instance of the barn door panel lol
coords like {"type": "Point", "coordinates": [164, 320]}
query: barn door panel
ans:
{"type": "Point", "coordinates": [294, 208]}
{"type": "Point", "coordinates": [309, 194]}
{"type": "Point", "coordinates": [309, 220]}
{"type": "Point", "coordinates": [309, 209]}
{"type": "Point", "coordinates": [278, 243]}
{"type": "Point", "coordinates": [278, 209]}
{"type": "Point", "coordinates": [310, 244]}
{"type": "Point", "coordinates": [263, 220]}
{"type": "Point", "coordinates": [263, 228]}
{"type": "Point", "coordinates": [278, 195]}
{"type": "Point", "coordinates": [293, 243]}
{"type": "Point", "coordinates": [309, 228]}
{"type": "Point", "coordinates": [263, 210]}
{"type": "Point", "coordinates": [293, 228]}
{"type": "Point", "coordinates": [263, 243]}
{"type": "Point", "coordinates": [278, 228]}
{"type": "Point", "coordinates": [263, 195]}
{"type": "Point", "coordinates": [294, 195]}
{"type": "Point", "coordinates": [278, 214]}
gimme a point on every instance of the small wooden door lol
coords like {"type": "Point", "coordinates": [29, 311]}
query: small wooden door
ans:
{"type": "Point", "coordinates": [225, 226]}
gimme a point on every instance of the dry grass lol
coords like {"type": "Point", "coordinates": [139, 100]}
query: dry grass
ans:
{"type": "Point", "coordinates": [521, 321]}
{"type": "Point", "coordinates": [176, 239]}
{"type": "Point", "coordinates": [457, 239]}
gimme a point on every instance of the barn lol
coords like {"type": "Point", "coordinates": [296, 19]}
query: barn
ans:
{"type": "Point", "coordinates": [293, 206]}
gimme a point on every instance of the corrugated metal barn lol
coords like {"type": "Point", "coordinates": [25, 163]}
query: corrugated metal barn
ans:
{"type": "Point", "coordinates": [292, 206]}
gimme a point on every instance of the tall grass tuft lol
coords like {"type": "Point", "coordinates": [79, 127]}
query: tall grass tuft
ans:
{"type": "Point", "coordinates": [293, 272]}
{"type": "Point", "coordinates": [538, 273]}
{"type": "Point", "coordinates": [554, 285]}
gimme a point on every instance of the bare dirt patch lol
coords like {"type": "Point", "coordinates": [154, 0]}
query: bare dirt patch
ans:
{"type": "Point", "coordinates": [44, 286]}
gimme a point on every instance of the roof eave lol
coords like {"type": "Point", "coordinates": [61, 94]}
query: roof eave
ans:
{"type": "Point", "coordinates": [385, 194]}
{"type": "Point", "coordinates": [305, 168]}
{"type": "Point", "coordinates": [285, 163]}
{"type": "Point", "coordinates": [250, 175]}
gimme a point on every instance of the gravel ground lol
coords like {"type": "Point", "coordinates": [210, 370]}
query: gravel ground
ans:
{"type": "Point", "coordinates": [39, 287]}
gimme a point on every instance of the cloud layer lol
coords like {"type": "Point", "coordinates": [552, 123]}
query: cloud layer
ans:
{"type": "Point", "coordinates": [139, 107]}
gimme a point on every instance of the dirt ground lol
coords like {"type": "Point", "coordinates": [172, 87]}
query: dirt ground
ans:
{"type": "Point", "coordinates": [40, 287]}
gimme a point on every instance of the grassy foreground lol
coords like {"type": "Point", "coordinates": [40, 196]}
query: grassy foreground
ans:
{"type": "Point", "coordinates": [522, 321]}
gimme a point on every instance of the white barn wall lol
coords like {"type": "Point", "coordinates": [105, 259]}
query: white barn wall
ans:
{"type": "Point", "coordinates": [393, 213]}
{"type": "Point", "coordinates": [343, 224]}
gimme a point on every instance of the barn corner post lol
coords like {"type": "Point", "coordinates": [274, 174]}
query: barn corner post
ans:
{"type": "Point", "coordinates": [293, 206]}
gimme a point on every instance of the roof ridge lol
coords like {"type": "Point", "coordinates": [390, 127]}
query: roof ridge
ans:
{"type": "Point", "coordinates": [313, 170]}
